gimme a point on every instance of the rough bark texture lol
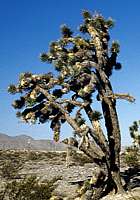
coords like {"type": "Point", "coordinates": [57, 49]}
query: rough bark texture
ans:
{"type": "Point", "coordinates": [114, 139]}
{"type": "Point", "coordinates": [109, 111]}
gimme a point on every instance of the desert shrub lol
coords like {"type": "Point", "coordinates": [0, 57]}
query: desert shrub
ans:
{"type": "Point", "coordinates": [10, 168]}
{"type": "Point", "coordinates": [132, 153]}
{"type": "Point", "coordinates": [81, 158]}
{"type": "Point", "coordinates": [132, 156]}
{"type": "Point", "coordinates": [13, 156]}
{"type": "Point", "coordinates": [33, 155]}
{"type": "Point", "coordinates": [28, 189]}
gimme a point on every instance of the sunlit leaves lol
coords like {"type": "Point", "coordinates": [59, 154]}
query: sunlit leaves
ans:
{"type": "Point", "coordinates": [12, 89]}
{"type": "Point", "coordinates": [110, 23]}
{"type": "Point", "coordinates": [66, 32]}
{"type": "Point", "coordinates": [72, 56]}
{"type": "Point", "coordinates": [134, 132]}
{"type": "Point", "coordinates": [45, 58]}
{"type": "Point", "coordinates": [86, 14]}
{"type": "Point", "coordinates": [96, 115]}
{"type": "Point", "coordinates": [56, 136]}
{"type": "Point", "coordinates": [18, 104]}
{"type": "Point", "coordinates": [115, 47]}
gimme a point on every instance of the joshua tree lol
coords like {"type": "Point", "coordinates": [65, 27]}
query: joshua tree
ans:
{"type": "Point", "coordinates": [84, 64]}
{"type": "Point", "coordinates": [135, 134]}
{"type": "Point", "coordinates": [132, 153]}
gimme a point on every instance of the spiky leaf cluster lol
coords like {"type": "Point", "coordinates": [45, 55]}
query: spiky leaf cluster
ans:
{"type": "Point", "coordinates": [79, 119]}
{"type": "Point", "coordinates": [134, 132]}
{"type": "Point", "coordinates": [77, 61]}
{"type": "Point", "coordinates": [96, 115]}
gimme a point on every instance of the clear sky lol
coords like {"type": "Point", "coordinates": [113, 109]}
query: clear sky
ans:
{"type": "Point", "coordinates": [27, 27]}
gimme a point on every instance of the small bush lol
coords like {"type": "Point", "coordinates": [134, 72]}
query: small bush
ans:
{"type": "Point", "coordinates": [10, 168]}
{"type": "Point", "coordinates": [33, 156]}
{"type": "Point", "coordinates": [132, 153]}
{"type": "Point", "coordinates": [28, 189]}
{"type": "Point", "coordinates": [132, 156]}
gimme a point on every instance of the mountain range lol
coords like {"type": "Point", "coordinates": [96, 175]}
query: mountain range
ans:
{"type": "Point", "coordinates": [24, 142]}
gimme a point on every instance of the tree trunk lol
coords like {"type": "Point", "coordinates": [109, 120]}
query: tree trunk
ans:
{"type": "Point", "coordinates": [98, 136]}
{"type": "Point", "coordinates": [112, 126]}
{"type": "Point", "coordinates": [114, 139]}
{"type": "Point", "coordinates": [94, 152]}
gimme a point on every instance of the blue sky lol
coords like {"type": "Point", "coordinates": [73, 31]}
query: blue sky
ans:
{"type": "Point", "coordinates": [27, 27]}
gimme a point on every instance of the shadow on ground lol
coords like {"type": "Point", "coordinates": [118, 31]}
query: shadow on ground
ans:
{"type": "Point", "coordinates": [131, 177]}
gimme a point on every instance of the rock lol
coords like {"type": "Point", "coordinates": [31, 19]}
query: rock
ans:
{"type": "Point", "coordinates": [88, 194]}
{"type": "Point", "coordinates": [65, 189]}
{"type": "Point", "coordinates": [69, 177]}
{"type": "Point", "coordinates": [55, 198]}
{"type": "Point", "coordinates": [124, 196]}
{"type": "Point", "coordinates": [50, 165]}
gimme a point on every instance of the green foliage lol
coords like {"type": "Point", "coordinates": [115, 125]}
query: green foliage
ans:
{"type": "Point", "coordinates": [18, 104]}
{"type": "Point", "coordinates": [110, 23]}
{"type": "Point", "coordinates": [69, 107]}
{"type": "Point", "coordinates": [132, 153]}
{"type": "Point", "coordinates": [57, 93]}
{"type": "Point", "coordinates": [132, 156]}
{"type": "Point", "coordinates": [135, 134]}
{"type": "Point", "coordinates": [96, 115]}
{"type": "Point", "coordinates": [33, 155]}
{"type": "Point", "coordinates": [81, 159]}
{"type": "Point", "coordinates": [86, 14]}
{"type": "Point", "coordinates": [80, 121]}
{"type": "Point", "coordinates": [84, 65]}
{"type": "Point", "coordinates": [56, 136]}
{"type": "Point", "coordinates": [115, 47]}
{"type": "Point", "coordinates": [83, 29]}
{"type": "Point", "coordinates": [28, 189]}
{"type": "Point", "coordinates": [82, 190]}
{"type": "Point", "coordinates": [66, 32]}
{"type": "Point", "coordinates": [10, 168]}
{"type": "Point", "coordinates": [12, 89]}
{"type": "Point", "coordinates": [70, 56]}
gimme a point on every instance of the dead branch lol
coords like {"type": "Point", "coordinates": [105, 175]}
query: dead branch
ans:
{"type": "Point", "coordinates": [126, 97]}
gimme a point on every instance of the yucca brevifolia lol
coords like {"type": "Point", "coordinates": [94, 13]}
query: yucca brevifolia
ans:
{"type": "Point", "coordinates": [135, 133]}
{"type": "Point", "coordinates": [84, 64]}
{"type": "Point", "coordinates": [132, 153]}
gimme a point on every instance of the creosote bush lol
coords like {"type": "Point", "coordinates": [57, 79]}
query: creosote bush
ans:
{"type": "Point", "coordinates": [9, 169]}
{"type": "Point", "coordinates": [28, 189]}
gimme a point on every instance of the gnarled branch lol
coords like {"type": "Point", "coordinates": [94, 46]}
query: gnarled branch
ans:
{"type": "Point", "coordinates": [76, 103]}
{"type": "Point", "coordinates": [126, 97]}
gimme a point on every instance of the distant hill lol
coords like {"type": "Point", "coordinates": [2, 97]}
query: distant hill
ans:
{"type": "Point", "coordinates": [26, 142]}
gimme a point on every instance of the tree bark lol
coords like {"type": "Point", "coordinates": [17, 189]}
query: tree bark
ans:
{"type": "Point", "coordinates": [114, 139]}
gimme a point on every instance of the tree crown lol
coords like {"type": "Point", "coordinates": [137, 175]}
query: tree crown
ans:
{"type": "Point", "coordinates": [76, 58]}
